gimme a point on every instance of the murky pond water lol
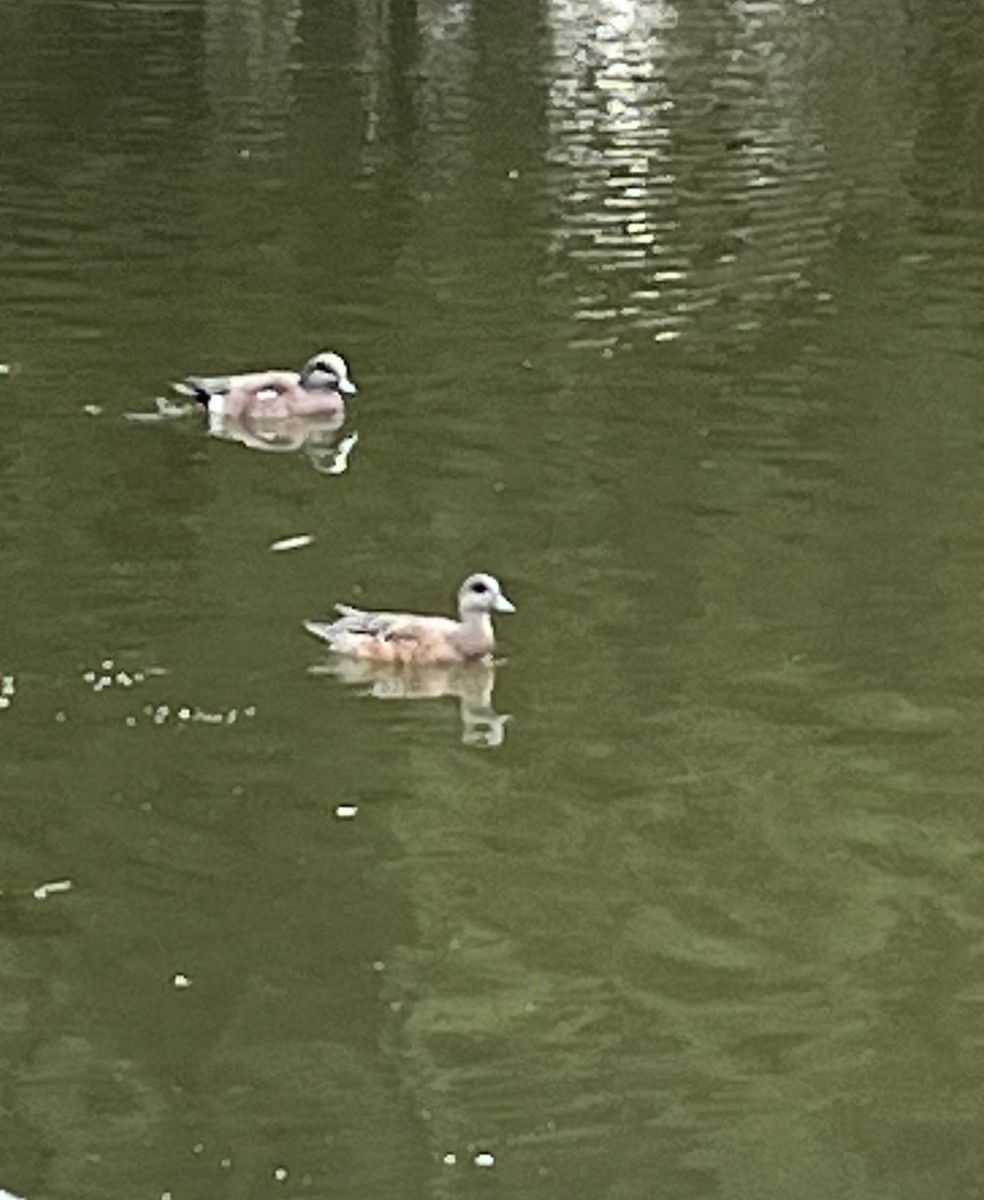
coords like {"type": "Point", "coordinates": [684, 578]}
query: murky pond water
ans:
{"type": "Point", "coordinates": [672, 316]}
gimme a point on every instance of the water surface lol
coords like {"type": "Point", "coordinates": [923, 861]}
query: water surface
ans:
{"type": "Point", "coordinates": [669, 315]}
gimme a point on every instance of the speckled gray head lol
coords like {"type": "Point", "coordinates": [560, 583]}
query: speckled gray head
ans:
{"type": "Point", "coordinates": [483, 593]}
{"type": "Point", "coordinates": [327, 372]}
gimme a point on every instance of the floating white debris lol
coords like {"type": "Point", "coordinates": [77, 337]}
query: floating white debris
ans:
{"type": "Point", "coordinates": [181, 981]}
{"type": "Point", "coordinates": [44, 890]}
{"type": "Point", "coordinates": [484, 1160]}
{"type": "Point", "coordinates": [345, 812]}
{"type": "Point", "coordinates": [449, 1159]}
{"type": "Point", "coordinates": [280, 1174]}
{"type": "Point", "coordinates": [5, 369]}
{"type": "Point", "coordinates": [293, 543]}
{"type": "Point", "coordinates": [92, 409]}
{"type": "Point", "coordinates": [61, 717]}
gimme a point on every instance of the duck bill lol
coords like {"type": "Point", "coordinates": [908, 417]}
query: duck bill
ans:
{"type": "Point", "coordinates": [503, 605]}
{"type": "Point", "coordinates": [347, 387]}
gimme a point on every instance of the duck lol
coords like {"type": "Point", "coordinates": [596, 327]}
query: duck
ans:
{"type": "Point", "coordinates": [317, 390]}
{"type": "Point", "coordinates": [390, 637]}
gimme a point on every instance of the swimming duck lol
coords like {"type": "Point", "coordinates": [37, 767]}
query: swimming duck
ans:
{"type": "Point", "coordinates": [317, 390]}
{"type": "Point", "coordinates": [409, 638]}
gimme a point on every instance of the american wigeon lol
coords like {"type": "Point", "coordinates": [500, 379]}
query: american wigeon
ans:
{"type": "Point", "coordinates": [408, 638]}
{"type": "Point", "coordinates": [317, 390]}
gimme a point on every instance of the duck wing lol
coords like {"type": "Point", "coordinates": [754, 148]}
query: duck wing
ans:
{"type": "Point", "coordinates": [255, 382]}
{"type": "Point", "coordinates": [384, 626]}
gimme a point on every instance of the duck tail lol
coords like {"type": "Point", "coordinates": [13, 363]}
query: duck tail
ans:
{"type": "Point", "coordinates": [192, 389]}
{"type": "Point", "coordinates": [324, 631]}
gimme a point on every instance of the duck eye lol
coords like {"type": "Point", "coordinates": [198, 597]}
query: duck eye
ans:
{"type": "Point", "coordinates": [480, 587]}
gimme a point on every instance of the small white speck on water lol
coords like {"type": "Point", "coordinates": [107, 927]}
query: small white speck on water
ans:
{"type": "Point", "coordinates": [198, 1148]}
{"type": "Point", "coordinates": [89, 676]}
{"type": "Point", "coordinates": [513, 174]}
{"type": "Point", "coordinates": [449, 1159]}
{"type": "Point", "coordinates": [345, 812]}
{"type": "Point", "coordinates": [225, 1163]}
{"type": "Point", "coordinates": [181, 981]}
{"type": "Point", "coordinates": [280, 1174]}
{"type": "Point", "coordinates": [484, 1160]}
{"type": "Point", "coordinates": [4, 702]}
{"type": "Point", "coordinates": [379, 965]}
{"type": "Point", "coordinates": [92, 409]}
{"type": "Point", "coordinates": [293, 543]}
{"type": "Point", "coordinates": [184, 714]}
{"type": "Point", "coordinates": [122, 678]}
{"type": "Point", "coordinates": [107, 664]}
{"type": "Point", "coordinates": [131, 721]}
{"type": "Point", "coordinates": [250, 711]}
{"type": "Point", "coordinates": [44, 890]}
{"type": "Point", "coordinates": [61, 717]}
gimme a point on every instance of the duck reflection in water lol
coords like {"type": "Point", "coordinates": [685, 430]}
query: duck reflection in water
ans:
{"type": "Point", "coordinates": [317, 439]}
{"type": "Point", "coordinates": [471, 682]}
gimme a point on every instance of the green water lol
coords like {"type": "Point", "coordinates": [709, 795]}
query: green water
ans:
{"type": "Point", "coordinates": [672, 317]}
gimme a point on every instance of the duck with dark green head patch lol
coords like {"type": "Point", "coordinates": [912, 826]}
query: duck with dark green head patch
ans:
{"type": "Point", "coordinates": [317, 390]}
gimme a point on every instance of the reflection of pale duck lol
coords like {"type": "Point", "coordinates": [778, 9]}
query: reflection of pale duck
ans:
{"type": "Point", "coordinates": [315, 436]}
{"type": "Point", "coordinates": [407, 638]}
{"type": "Point", "coordinates": [471, 682]}
{"type": "Point", "coordinates": [317, 390]}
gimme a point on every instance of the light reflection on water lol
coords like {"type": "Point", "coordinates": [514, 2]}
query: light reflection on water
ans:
{"type": "Point", "coordinates": [671, 313]}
